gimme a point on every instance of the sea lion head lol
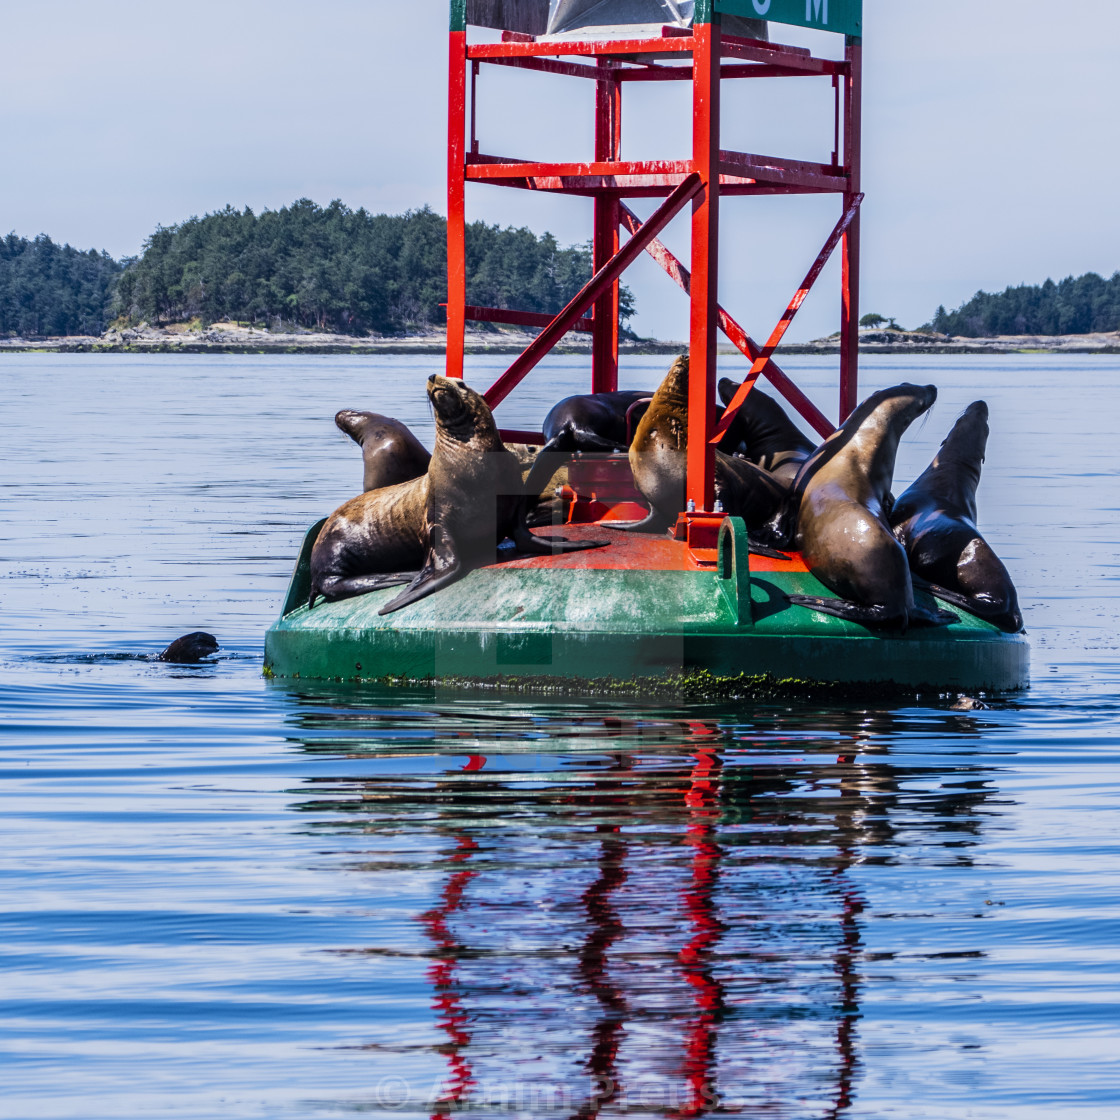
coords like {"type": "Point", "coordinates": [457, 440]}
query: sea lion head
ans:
{"type": "Point", "coordinates": [866, 445]}
{"type": "Point", "coordinates": [674, 387]}
{"type": "Point", "coordinates": [954, 474]}
{"type": "Point", "coordinates": [665, 423]}
{"type": "Point", "coordinates": [900, 405]}
{"type": "Point", "coordinates": [461, 413]}
{"type": "Point", "coordinates": [762, 431]}
{"type": "Point", "coordinates": [190, 648]}
{"type": "Point", "coordinates": [353, 423]}
{"type": "Point", "coordinates": [966, 444]}
{"type": "Point", "coordinates": [390, 452]}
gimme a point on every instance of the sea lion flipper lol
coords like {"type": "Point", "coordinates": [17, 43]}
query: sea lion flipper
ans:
{"type": "Point", "coordinates": [997, 612]}
{"type": "Point", "coordinates": [931, 616]}
{"type": "Point", "coordinates": [441, 568]}
{"type": "Point", "coordinates": [875, 615]}
{"type": "Point", "coordinates": [653, 522]}
{"type": "Point", "coordinates": [333, 588]}
{"type": "Point", "coordinates": [527, 541]}
{"type": "Point", "coordinates": [757, 548]}
{"type": "Point", "coordinates": [844, 608]}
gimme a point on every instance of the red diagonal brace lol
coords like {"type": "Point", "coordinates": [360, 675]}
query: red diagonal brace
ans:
{"type": "Point", "coordinates": [736, 403]}
{"type": "Point", "coordinates": [677, 271]}
{"type": "Point", "coordinates": [592, 290]}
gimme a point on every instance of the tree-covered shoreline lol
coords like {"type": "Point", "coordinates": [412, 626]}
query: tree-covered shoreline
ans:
{"type": "Point", "coordinates": [362, 275]}
{"type": "Point", "coordinates": [303, 266]}
{"type": "Point", "coordinates": [1083, 305]}
{"type": "Point", "coordinates": [47, 289]}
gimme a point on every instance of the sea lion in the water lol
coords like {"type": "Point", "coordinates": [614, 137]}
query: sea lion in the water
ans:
{"type": "Point", "coordinates": [447, 521]}
{"type": "Point", "coordinates": [390, 452]}
{"type": "Point", "coordinates": [935, 521]}
{"type": "Point", "coordinates": [658, 462]}
{"type": "Point", "coordinates": [842, 528]}
{"type": "Point", "coordinates": [769, 438]}
{"type": "Point", "coordinates": [190, 648]}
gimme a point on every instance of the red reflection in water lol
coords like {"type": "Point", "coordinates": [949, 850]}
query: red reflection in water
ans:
{"type": "Point", "coordinates": [604, 929]}
{"type": "Point", "coordinates": [447, 1001]}
{"type": "Point", "coordinates": [847, 956]}
{"type": "Point", "coordinates": [702, 799]}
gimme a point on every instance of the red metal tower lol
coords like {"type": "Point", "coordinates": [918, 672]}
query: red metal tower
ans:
{"type": "Point", "coordinates": [703, 44]}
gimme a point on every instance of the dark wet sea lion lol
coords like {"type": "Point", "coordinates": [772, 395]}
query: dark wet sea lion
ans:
{"type": "Point", "coordinates": [390, 452]}
{"type": "Point", "coordinates": [585, 422]}
{"type": "Point", "coordinates": [769, 438]}
{"type": "Point", "coordinates": [190, 648]}
{"type": "Point", "coordinates": [839, 500]}
{"type": "Point", "coordinates": [657, 460]}
{"type": "Point", "coordinates": [591, 422]}
{"type": "Point", "coordinates": [444, 523]}
{"type": "Point", "coordinates": [935, 521]}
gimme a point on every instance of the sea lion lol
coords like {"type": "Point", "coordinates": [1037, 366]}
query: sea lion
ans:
{"type": "Point", "coordinates": [390, 452]}
{"type": "Point", "coordinates": [585, 422]}
{"type": "Point", "coordinates": [764, 435]}
{"type": "Point", "coordinates": [546, 503]}
{"type": "Point", "coordinates": [935, 522]}
{"type": "Point", "coordinates": [190, 648]}
{"type": "Point", "coordinates": [593, 421]}
{"type": "Point", "coordinates": [657, 460]}
{"type": "Point", "coordinates": [447, 521]}
{"type": "Point", "coordinates": [840, 500]}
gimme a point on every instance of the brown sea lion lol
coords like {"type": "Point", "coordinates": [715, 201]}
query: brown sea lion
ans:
{"type": "Point", "coordinates": [190, 648]}
{"type": "Point", "coordinates": [447, 521]}
{"type": "Point", "coordinates": [839, 500]}
{"type": "Point", "coordinates": [657, 459]}
{"type": "Point", "coordinates": [390, 452]}
{"type": "Point", "coordinates": [935, 521]}
{"type": "Point", "coordinates": [767, 436]}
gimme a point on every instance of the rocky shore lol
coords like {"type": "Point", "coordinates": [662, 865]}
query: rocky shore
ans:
{"type": "Point", "coordinates": [233, 338]}
{"type": "Point", "coordinates": [923, 342]}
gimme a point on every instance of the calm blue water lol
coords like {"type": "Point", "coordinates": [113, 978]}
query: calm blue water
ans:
{"type": "Point", "coordinates": [228, 898]}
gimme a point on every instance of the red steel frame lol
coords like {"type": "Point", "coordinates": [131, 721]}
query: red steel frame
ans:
{"type": "Point", "coordinates": [708, 57]}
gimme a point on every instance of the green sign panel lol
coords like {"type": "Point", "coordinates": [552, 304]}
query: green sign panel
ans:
{"type": "Point", "coordinates": [842, 16]}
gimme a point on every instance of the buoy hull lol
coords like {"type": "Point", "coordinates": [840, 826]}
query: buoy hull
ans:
{"type": "Point", "coordinates": [592, 616]}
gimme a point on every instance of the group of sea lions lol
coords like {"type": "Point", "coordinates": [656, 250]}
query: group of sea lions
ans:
{"type": "Point", "coordinates": [833, 503]}
{"type": "Point", "coordinates": [445, 516]}
{"type": "Point", "coordinates": [425, 520]}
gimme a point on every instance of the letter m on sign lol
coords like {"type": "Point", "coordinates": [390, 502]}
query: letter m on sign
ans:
{"type": "Point", "coordinates": [842, 17]}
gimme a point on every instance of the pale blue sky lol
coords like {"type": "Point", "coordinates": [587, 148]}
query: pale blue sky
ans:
{"type": "Point", "coordinates": [990, 131]}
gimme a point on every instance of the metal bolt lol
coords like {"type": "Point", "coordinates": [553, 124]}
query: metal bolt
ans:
{"type": "Point", "coordinates": [718, 506]}
{"type": "Point", "coordinates": [691, 507]}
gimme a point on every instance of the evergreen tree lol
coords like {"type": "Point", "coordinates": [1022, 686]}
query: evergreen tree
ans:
{"type": "Point", "coordinates": [51, 289]}
{"type": "Point", "coordinates": [1083, 305]}
{"type": "Point", "coordinates": [333, 268]}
